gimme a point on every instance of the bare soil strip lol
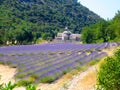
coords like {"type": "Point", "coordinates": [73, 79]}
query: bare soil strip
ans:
{"type": "Point", "coordinates": [7, 74]}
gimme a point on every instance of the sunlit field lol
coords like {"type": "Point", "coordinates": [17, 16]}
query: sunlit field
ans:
{"type": "Point", "coordinates": [48, 62]}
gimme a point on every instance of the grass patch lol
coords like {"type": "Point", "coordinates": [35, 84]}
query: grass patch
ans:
{"type": "Point", "coordinates": [20, 75]}
{"type": "Point", "coordinates": [65, 86]}
{"type": "Point", "coordinates": [93, 62]}
{"type": "Point", "coordinates": [12, 54]}
{"type": "Point", "coordinates": [8, 63]}
{"type": "Point", "coordinates": [79, 69]}
{"type": "Point", "coordinates": [31, 87]}
{"type": "Point", "coordinates": [90, 50]}
{"type": "Point", "coordinates": [34, 77]}
{"type": "Point", "coordinates": [2, 63]}
{"type": "Point", "coordinates": [82, 68]}
{"type": "Point", "coordinates": [51, 53]}
{"type": "Point", "coordinates": [20, 69]}
{"type": "Point", "coordinates": [1, 54]}
{"type": "Point", "coordinates": [13, 65]}
{"type": "Point", "coordinates": [47, 80]}
{"type": "Point", "coordinates": [60, 53]}
{"type": "Point", "coordinates": [99, 50]}
{"type": "Point", "coordinates": [20, 54]}
{"type": "Point", "coordinates": [24, 83]}
{"type": "Point", "coordinates": [80, 62]}
{"type": "Point", "coordinates": [65, 72]}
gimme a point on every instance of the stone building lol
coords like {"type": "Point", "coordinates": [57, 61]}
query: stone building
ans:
{"type": "Point", "coordinates": [67, 36]}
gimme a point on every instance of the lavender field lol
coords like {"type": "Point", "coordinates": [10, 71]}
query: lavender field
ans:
{"type": "Point", "coordinates": [50, 60]}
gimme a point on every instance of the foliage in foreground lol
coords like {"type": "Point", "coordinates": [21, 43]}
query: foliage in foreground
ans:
{"type": "Point", "coordinates": [24, 83]}
{"type": "Point", "coordinates": [31, 87]}
{"type": "Point", "coordinates": [109, 73]}
{"type": "Point", "coordinates": [8, 86]}
{"type": "Point", "coordinates": [11, 86]}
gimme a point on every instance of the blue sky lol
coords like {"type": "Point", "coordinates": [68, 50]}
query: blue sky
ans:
{"type": "Point", "coordinates": [104, 8]}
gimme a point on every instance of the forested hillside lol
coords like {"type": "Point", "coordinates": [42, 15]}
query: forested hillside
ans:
{"type": "Point", "coordinates": [103, 31]}
{"type": "Point", "coordinates": [24, 21]}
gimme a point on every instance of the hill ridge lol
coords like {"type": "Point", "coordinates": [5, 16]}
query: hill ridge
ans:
{"type": "Point", "coordinates": [34, 19]}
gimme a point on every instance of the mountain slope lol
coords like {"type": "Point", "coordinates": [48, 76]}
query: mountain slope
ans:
{"type": "Point", "coordinates": [44, 18]}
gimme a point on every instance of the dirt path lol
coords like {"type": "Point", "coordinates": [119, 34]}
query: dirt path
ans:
{"type": "Point", "coordinates": [84, 81]}
{"type": "Point", "coordinates": [6, 74]}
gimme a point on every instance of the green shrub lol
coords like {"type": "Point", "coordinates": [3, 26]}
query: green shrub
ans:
{"type": "Point", "coordinates": [109, 73]}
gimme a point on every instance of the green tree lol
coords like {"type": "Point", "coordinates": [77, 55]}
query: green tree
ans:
{"type": "Point", "coordinates": [91, 34]}
{"type": "Point", "coordinates": [32, 18]}
{"type": "Point", "coordinates": [103, 31]}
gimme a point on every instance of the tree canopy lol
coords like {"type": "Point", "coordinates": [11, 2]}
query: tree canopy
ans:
{"type": "Point", "coordinates": [28, 20]}
{"type": "Point", "coordinates": [103, 31]}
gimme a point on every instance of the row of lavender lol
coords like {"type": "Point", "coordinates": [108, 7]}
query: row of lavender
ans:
{"type": "Point", "coordinates": [53, 47]}
{"type": "Point", "coordinates": [49, 65]}
{"type": "Point", "coordinates": [50, 60]}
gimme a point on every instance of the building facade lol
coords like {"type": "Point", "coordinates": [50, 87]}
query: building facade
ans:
{"type": "Point", "coordinates": [68, 36]}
